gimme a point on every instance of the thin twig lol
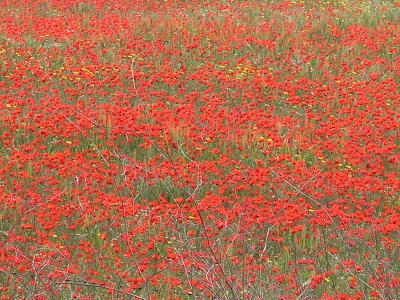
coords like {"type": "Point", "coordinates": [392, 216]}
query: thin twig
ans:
{"type": "Point", "coordinates": [89, 284]}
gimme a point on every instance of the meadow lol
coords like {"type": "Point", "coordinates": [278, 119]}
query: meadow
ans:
{"type": "Point", "coordinates": [199, 149]}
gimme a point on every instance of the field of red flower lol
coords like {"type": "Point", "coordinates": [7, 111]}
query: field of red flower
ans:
{"type": "Point", "coordinates": [199, 149]}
